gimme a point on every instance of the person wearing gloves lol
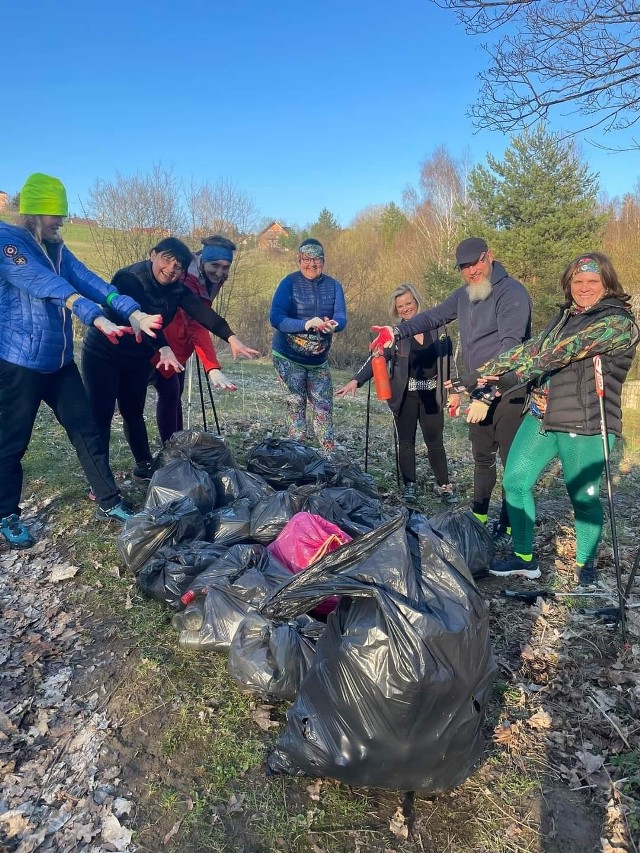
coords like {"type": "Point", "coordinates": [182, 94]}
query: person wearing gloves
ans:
{"type": "Point", "coordinates": [493, 311]}
{"type": "Point", "coordinates": [42, 284]}
{"type": "Point", "coordinates": [122, 375]}
{"type": "Point", "coordinates": [207, 273]}
{"type": "Point", "coordinates": [563, 412]}
{"type": "Point", "coordinates": [421, 371]}
{"type": "Point", "coordinates": [308, 307]}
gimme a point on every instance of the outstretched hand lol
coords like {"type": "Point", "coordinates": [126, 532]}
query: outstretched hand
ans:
{"type": "Point", "coordinates": [350, 388]}
{"type": "Point", "coordinates": [147, 323]}
{"type": "Point", "coordinates": [239, 349]}
{"type": "Point", "coordinates": [168, 360]}
{"type": "Point", "coordinates": [219, 380]}
{"type": "Point", "coordinates": [111, 330]}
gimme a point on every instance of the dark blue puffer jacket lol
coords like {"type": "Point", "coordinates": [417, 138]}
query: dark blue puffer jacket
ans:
{"type": "Point", "coordinates": [35, 326]}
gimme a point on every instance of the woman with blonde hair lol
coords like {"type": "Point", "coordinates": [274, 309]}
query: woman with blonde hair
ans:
{"type": "Point", "coordinates": [420, 371]}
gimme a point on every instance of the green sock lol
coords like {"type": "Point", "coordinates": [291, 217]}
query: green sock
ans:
{"type": "Point", "coordinates": [526, 557]}
{"type": "Point", "coordinates": [481, 517]}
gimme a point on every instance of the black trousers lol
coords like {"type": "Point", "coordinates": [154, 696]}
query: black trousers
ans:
{"type": "Point", "coordinates": [123, 379]}
{"type": "Point", "coordinates": [421, 407]}
{"type": "Point", "coordinates": [21, 392]}
{"type": "Point", "coordinates": [494, 435]}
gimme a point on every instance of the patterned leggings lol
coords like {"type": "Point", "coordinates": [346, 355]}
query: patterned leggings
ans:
{"type": "Point", "coordinates": [302, 384]}
{"type": "Point", "coordinates": [582, 461]}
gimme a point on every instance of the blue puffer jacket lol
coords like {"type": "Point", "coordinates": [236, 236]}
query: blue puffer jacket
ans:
{"type": "Point", "coordinates": [296, 300]}
{"type": "Point", "coordinates": [35, 326]}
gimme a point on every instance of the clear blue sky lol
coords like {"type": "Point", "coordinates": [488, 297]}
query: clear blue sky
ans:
{"type": "Point", "coordinates": [302, 105]}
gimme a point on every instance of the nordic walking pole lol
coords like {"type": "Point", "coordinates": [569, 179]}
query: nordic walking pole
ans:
{"type": "Point", "coordinates": [597, 366]}
{"type": "Point", "coordinates": [366, 428]}
{"type": "Point", "coordinates": [189, 388]}
{"type": "Point", "coordinates": [204, 413]}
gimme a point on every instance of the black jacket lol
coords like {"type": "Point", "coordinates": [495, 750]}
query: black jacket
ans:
{"type": "Point", "coordinates": [399, 372]}
{"type": "Point", "coordinates": [572, 403]}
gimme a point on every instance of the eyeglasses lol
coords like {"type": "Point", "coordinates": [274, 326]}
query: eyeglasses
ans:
{"type": "Point", "coordinates": [475, 263]}
{"type": "Point", "coordinates": [311, 262]}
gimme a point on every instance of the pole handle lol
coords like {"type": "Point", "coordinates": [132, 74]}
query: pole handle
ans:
{"type": "Point", "coordinates": [597, 367]}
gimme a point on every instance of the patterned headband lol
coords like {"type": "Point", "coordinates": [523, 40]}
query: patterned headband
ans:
{"type": "Point", "coordinates": [311, 250]}
{"type": "Point", "coordinates": [587, 265]}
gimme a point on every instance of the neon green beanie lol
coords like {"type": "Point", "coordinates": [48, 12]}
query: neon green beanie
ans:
{"type": "Point", "coordinates": [43, 195]}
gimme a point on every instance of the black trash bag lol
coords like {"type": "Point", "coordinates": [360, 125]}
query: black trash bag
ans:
{"type": "Point", "coordinates": [239, 582]}
{"type": "Point", "coordinates": [270, 515]}
{"type": "Point", "coordinates": [181, 478]}
{"type": "Point", "coordinates": [469, 536]}
{"type": "Point", "coordinates": [147, 531]}
{"type": "Point", "coordinates": [204, 448]}
{"type": "Point", "coordinates": [285, 463]}
{"type": "Point", "coordinates": [271, 658]}
{"type": "Point", "coordinates": [170, 571]}
{"type": "Point", "coordinates": [339, 471]}
{"type": "Point", "coordinates": [230, 525]}
{"type": "Point", "coordinates": [354, 512]}
{"type": "Point", "coordinates": [396, 695]}
{"type": "Point", "coordinates": [233, 483]}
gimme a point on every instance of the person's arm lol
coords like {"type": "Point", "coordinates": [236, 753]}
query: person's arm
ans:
{"type": "Point", "coordinates": [339, 309]}
{"type": "Point", "coordinates": [127, 284]}
{"type": "Point", "coordinates": [607, 335]}
{"type": "Point", "coordinates": [513, 315]}
{"type": "Point", "coordinates": [203, 345]}
{"type": "Point", "coordinates": [364, 374]}
{"type": "Point", "coordinates": [207, 317]}
{"type": "Point", "coordinates": [442, 314]}
{"type": "Point", "coordinates": [280, 308]}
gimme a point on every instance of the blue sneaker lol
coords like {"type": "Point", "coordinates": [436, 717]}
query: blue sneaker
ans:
{"type": "Point", "coordinates": [515, 566]}
{"type": "Point", "coordinates": [15, 532]}
{"type": "Point", "coordinates": [120, 512]}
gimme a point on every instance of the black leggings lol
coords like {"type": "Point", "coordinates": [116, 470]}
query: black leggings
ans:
{"type": "Point", "coordinates": [493, 435]}
{"type": "Point", "coordinates": [108, 380]}
{"type": "Point", "coordinates": [21, 392]}
{"type": "Point", "coordinates": [421, 406]}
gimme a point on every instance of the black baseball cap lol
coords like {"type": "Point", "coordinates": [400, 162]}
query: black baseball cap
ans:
{"type": "Point", "coordinates": [469, 251]}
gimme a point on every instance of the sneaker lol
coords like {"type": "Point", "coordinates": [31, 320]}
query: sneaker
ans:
{"type": "Point", "coordinates": [501, 539]}
{"type": "Point", "coordinates": [144, 470]}
{"type": "Point", "coordinates": [445, 493]}
{"type": "Point", "coordinates": [120, 512]}
{"type": "Point", "coordinates": [409, 493]}
{"type": "Point", "coordinates": [587, 576]}
{"type": "Point", "coordinates": [15, 532]}
{"type": "Point", "coordinates": [515, 566]}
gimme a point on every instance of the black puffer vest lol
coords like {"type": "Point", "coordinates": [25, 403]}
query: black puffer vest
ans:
{"type": "Point", "coordinates": [572, 404]}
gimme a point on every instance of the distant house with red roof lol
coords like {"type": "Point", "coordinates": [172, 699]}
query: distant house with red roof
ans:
{"type": "Point", "coordinates": [271, 237]}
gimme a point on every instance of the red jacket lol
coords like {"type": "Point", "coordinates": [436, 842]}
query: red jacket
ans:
{"type": "Point", "coordinates": [184, 334]}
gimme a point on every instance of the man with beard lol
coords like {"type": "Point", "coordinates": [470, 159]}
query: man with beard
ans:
{"type": "Point", "coordinates": [493, 311]}
{"type": "Point", "coordinates": [205, 277]}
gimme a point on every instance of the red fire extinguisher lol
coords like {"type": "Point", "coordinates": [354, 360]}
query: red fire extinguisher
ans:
{"type": "Point", "coordinates": [380, 376]}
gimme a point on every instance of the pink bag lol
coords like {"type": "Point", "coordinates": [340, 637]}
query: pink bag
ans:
{"type": "Point", "coordinates": [304, 540]}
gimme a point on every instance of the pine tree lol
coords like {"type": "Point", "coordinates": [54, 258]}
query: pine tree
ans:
{"type": "Point", "coordinates": [537, 209]}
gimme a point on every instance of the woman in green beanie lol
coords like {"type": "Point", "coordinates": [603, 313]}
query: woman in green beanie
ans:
{"type": "Point", "coordinates": [41, 285]}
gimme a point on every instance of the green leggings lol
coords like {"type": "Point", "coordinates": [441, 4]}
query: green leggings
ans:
{"type": "Point", "coordinates": [582, 461]}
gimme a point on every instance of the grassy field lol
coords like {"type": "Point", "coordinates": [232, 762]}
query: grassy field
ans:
{"type": "Point", "coordinates": [191, 745]}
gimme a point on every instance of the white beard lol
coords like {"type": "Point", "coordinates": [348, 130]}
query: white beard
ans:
{"type": "Point", "coordinates": [479, 292]}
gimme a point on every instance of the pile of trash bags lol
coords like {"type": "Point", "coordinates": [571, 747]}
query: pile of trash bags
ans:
{"type": "Point", "coordinates": [365, 617]}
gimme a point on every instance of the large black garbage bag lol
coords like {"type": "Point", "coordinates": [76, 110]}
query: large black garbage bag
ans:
{"type": "Point", "coordinates": [233, 483]}
{"type": "Point", "coordinates": [230, 525]}
{"type": "Point", "coordinates": [270, 515]}
{"type": "Point", "coordinates": [204, 448]}
{"type": "Point", "coordinates": [271, 658]}
{"type": "Point", "coordinates": [285, 462]}
{"type": "Point", "coordinates": [354, 512]}
{"type": "Point", "coordinates": [469, 536]}
{"type": "Point", "coordinates": [181, 478]}
{"type": "Point", "coordinates": [234, 587]}
{"type": "Point", "coordinates": [146, 531]}
{"type": "Point", "coordinates": [171, 570]}
{"type": "Point", "coordinates": [340, 471]}
{"type": "Point", "coordinates": [396, 695]}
